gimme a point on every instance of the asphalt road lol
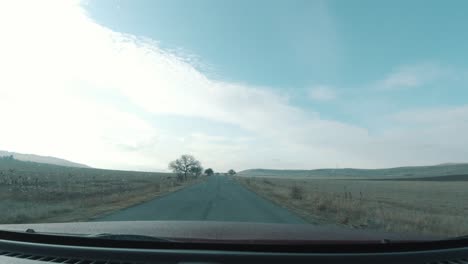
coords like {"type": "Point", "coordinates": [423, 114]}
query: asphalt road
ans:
{"type": "Point", "coordinates": [217, 199]}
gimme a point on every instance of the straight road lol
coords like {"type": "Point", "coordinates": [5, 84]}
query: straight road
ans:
{"type": "Point", "coordinates": [217, 199]}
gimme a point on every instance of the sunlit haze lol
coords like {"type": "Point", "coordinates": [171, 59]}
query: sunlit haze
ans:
{"type": "Point", "coordinates": [102, 91]}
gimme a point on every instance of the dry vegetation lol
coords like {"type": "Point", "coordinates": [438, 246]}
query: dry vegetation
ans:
{"type": "Point", "coordinates": [33, 192]}
{"type": "Point", "coordinates": [426, 207]}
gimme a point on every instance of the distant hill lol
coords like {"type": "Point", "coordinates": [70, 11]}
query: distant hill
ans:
{"type": "Point", "coordinates": [14, 167]}
{"type": "Point", "coordinates": [399, 172]}
{"type": "Point", "coordinates": [42, 159]}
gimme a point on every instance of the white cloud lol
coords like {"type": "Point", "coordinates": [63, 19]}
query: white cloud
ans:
{"type": "Point", "coordinates": [61, 73]}
{"type": "Point", "coordinates": [411, 76]}
{"type": "Point", "coordinates": [73, 60]}
{"type": "Point", "coordinates": [322, 93]}
{"type": "Point", "coordinates": [436, 115]}
{"type": "Point", "coordinates": [427, 135]}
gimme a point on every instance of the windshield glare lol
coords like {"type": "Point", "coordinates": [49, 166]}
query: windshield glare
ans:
{"type": "Point", "coordinates": [347, 117]}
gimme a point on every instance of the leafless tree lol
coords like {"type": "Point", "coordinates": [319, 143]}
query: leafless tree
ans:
{"type": "Point", "coordinates": [196, 171]}
{"type": "Point", "coordinates": [186, 166]}
{"type": "Point", "coordinates": [209, 172]}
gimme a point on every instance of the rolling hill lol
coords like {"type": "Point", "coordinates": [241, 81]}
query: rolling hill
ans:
{"type": "Point", "coordinates": [42, 159]}
{"type": "Point", "coordinates": [14, 167]}
{"type": "Point", "coordinates": [399, 172]}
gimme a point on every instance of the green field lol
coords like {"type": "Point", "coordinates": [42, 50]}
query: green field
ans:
{"type": "Point", "coordinates": [37, 192]}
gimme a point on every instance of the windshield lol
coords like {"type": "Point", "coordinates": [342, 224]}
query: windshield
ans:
{"type": "Point", "coordinates": [348, 117]}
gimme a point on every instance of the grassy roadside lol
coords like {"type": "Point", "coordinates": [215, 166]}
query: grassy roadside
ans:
{"type": "Point", "coordinates": [119, 202]}
{"type": "Point", "coordinates": [435, 208]}
{"type": "Point", "coordinates": [49, 205]}
{"type": "Point", "coordinates": [35, 193]}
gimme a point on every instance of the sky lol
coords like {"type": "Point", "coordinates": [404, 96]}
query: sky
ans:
{"type": "Point", "coordinates": [238, 84]}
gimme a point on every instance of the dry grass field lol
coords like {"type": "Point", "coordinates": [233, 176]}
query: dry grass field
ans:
{"type": "Point", "coordinates": [420, 206]}
{"type": "Point", "coordinates": [33, 192]}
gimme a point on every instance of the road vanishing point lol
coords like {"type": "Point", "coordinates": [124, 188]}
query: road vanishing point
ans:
{"type": "Point", "coordinates": [219, 198]}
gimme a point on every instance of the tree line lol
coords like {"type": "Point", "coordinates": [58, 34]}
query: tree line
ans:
{"type": "Point", "coordinates": [187, 166]}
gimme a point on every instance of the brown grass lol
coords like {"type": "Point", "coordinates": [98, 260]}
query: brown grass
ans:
{"type": "Point", "coordinates": [79, 199]}
{"type": "Point", "coordinates": [297, 193]}
{"type": "Point", "coordinates": [436, 208]}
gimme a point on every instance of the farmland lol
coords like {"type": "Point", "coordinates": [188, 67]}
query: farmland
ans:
{"type": "Point", "coordinates": [35, 192]}
{"type": "Point", "coordinates": [432, 206]}
{"type": "Point", "coordinates": [347, 173]}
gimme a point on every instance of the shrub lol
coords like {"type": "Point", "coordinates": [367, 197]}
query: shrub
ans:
{"type": "Point", "coordinates": [297, 193]}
